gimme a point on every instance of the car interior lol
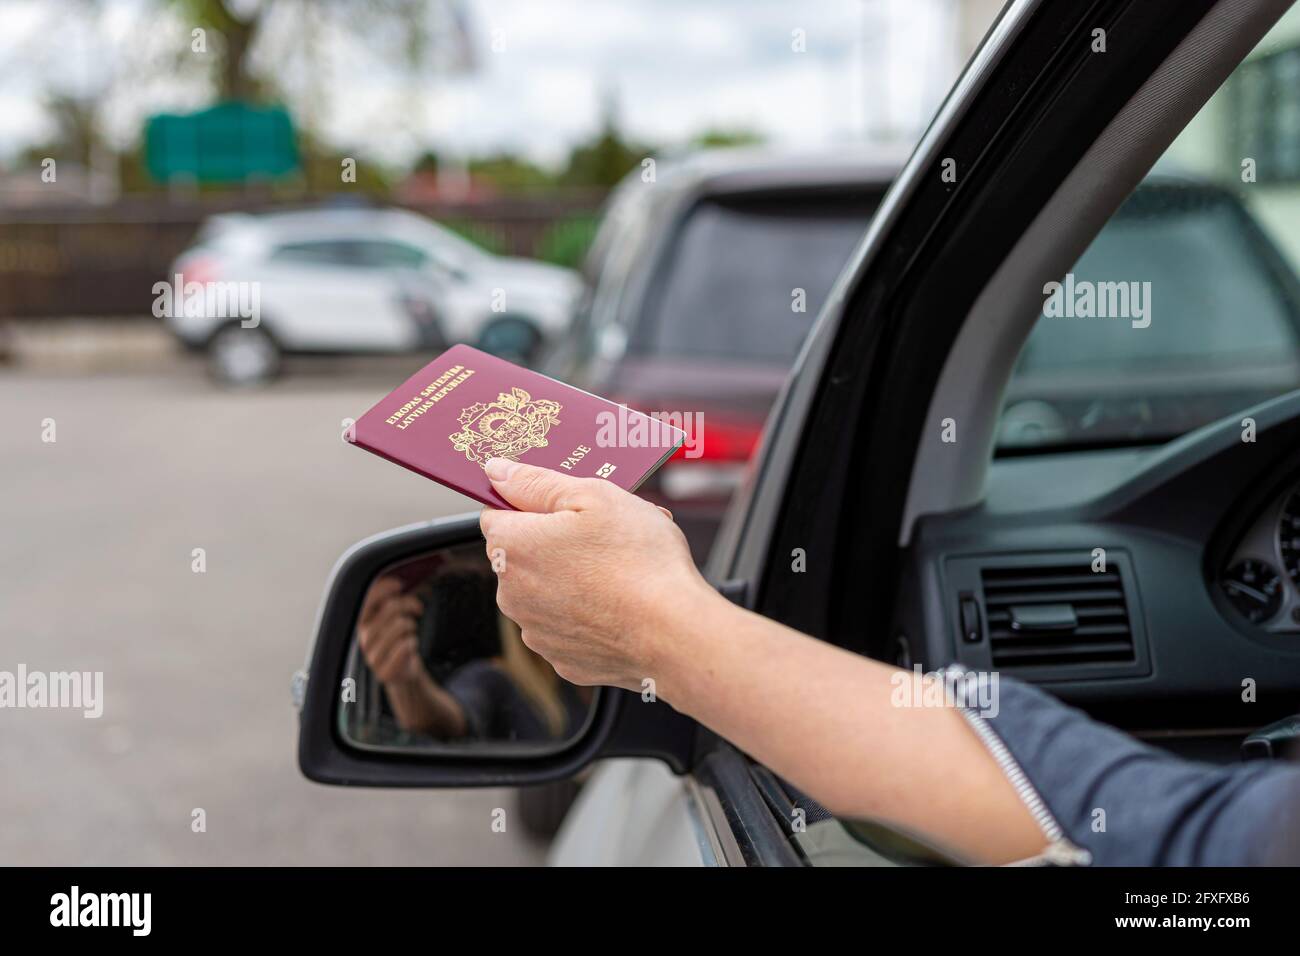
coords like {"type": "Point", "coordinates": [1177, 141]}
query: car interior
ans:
{"type": "Point", "coordinates": [1136, 566]}
{"type": "Point", "coordinates": [1150, 584]}
{"type": "Point", "coordinates": [1145, 577]}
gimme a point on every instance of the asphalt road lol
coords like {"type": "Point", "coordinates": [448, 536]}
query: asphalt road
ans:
{"type": "Point", "coordinates": [97, 530]}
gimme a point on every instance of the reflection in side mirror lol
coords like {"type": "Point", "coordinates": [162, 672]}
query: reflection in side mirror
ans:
{"type": "Point", "coordinates": [435, 667]}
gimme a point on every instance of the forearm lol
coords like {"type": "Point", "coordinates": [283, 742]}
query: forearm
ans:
{"type": "Point", "coordinates": [421, 706]}
{"type": "Point", "coordinates": [823, 718]}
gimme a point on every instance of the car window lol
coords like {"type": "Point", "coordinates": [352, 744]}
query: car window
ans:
{"type": "Point", "coordinates": [744, 280]}
{"type": "Point", "coordinates": [387, 254]}
{"type": "Point", "coordinates": [1186, 307]}
{"type": "Point", "coordinates": [622, 224]}
{"type": "Point", "coordinates": [327, 252]}
{"type": "Point", "coordinates": [1201, 249]}
{"type": "Point", "coordinates": [447, 248]}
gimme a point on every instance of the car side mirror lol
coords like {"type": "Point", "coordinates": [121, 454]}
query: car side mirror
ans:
{"type": "Point", "coordinates": [416, 679]}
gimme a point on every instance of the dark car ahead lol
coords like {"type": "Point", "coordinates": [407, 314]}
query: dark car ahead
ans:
{"type": "Point", "coordinates": [701, 288]}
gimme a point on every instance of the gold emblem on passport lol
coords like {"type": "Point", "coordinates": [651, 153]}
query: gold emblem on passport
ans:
{"type": "Point", "coordinates": [506, 428]}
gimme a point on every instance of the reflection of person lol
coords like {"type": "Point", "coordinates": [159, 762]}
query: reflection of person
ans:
{"type": "Point", "coordinates": [513, 694]}
{"type": "Point", "coordinates": [604, 588]}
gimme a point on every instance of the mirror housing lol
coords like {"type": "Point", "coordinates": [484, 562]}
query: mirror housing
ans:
{"type": "Point", "coordinates": [621, 725]}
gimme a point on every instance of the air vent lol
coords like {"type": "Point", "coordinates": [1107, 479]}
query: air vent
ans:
{"type": "Point", "coordinates": [1056, 615]}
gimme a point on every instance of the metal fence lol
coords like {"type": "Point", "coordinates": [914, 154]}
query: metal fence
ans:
{"type": "Point", "coordinates": [103, 260]}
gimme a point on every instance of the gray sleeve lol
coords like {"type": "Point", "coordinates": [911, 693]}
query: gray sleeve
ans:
{"type": "Point", "coordinates": [1159, 810]}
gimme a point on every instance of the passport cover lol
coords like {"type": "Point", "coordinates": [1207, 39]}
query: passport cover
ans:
{"type": "Point", "coordinates": [466, 406]}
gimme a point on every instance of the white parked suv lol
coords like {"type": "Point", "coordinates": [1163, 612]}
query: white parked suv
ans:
{"type": "Point", "coordinates": [353, 280]}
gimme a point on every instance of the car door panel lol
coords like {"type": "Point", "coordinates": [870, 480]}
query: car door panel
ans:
{"type": "Point", "coordinates": [635, 812]}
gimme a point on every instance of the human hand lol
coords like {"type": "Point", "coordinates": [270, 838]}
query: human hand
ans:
{"type": "Point", "coordinates": [595, 577]}
{"type": "Point", "coordinates": [386, 633]}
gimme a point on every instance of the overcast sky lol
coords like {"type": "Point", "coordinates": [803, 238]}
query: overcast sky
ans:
{"type": "Point", "coordinates": [544, 69]}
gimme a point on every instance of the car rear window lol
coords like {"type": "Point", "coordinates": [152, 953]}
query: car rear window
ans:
{"type": "Point", "coordinates": [744, 279]}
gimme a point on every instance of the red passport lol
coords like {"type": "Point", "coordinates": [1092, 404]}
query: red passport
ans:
{"type": "Point", "coordinates": [466, 406]}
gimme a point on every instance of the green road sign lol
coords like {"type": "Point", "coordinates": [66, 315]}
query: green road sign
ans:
{"type": "Point", "coordinates": [227, 143]}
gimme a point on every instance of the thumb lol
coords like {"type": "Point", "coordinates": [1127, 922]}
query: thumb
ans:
{"type": "Point", "coordinates": [530, 488]}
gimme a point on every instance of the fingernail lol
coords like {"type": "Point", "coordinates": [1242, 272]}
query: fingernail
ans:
{"type": "Point", "coordinates": [500, 469]}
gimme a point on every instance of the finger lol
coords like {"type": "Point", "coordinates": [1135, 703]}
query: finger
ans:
{"type": "Point", "coordinates": [490, 519]}
{"type": "Point", "coordinates": [373, 646]}
{"type": "Point", "coordinates": [530, 488]}
{"type": "Point", "coordinates": [394, 647]}
{"type": "Point", "coordinates": [667, 514]}
{"type": "Point", "coordinates": [382, 641]}
{"type": "Point", "coordinates": [380, 591]}
{"type": "Point", "coordinates": [408, 606]}
{"type": "Point", "coordinates": [396, 659]}
{"type": "Point", "coordinates": [487, 519]}
{"type": "Point", "coordinates": [376, 641]}
{"type": "Point", "coordinates": [375, 635]}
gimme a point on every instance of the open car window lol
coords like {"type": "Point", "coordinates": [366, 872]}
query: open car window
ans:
{"type": "Point", "coordinates": [1186, 307]}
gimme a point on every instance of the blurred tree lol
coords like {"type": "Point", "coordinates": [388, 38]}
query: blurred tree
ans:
{"type": "Point", "coordinates": [608, 157]}
{"type": "Point", "coordinates": [426, 163]}
{"type": "Point", "coordinates": [483, 235]}
{"type": "Point", "coordinates": [510, 173]}
{"type": "Point", "coordinates": [415, 34]}
{"type": "Point", "coordinates": [722, 138]}
{"type": "Point", "coordinates": [566, 241]}
{"type": "Point", "coordinates": [71, 102]}
{"type": "Point", "coordinates": [76, 136]}
{"type": "Point", "coordinates": [321, 164]}
{"type": "Point", "coordinates": [603, 161]}
{"type": "Point", "coordinates": [236, 33]}
{"type": "Point", "coordinates": [268, 50]}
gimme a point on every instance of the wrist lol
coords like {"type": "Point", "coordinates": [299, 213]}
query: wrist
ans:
{"type": "Point", "coordinates": [676, 635]}
{"type": "Point", "coordinates": [404, 687]}
{"type": "Point", "coordinates": [407, 696]}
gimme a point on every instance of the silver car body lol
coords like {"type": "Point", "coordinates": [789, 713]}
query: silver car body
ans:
{"type": "Point", "coordinates": [311, 299]}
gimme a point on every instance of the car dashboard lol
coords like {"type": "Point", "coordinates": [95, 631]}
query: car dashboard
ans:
{"type": "Point", "coordinates": [1261, 579]}
{"type": "Point", "coordinates": [1156, 588]}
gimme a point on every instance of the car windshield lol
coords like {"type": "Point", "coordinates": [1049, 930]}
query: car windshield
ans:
{"type": "Point", "coordinates": [744, 279]}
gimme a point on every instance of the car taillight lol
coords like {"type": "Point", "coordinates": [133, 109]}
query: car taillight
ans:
{"type": "Point", "coordinates": [714, 440]}
{"type": "Point", "coordinates": [709, 438]}
{"type": "Point", "coordinates": [200, 269]}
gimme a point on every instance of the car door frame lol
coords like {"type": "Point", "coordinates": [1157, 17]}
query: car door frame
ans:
{"type": "Point", "coordinates": [1025, 110]}
{"type": "Point", "coordinates": [881, 335]}
{"type": "Point", "coordinates": [1018, 121]}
